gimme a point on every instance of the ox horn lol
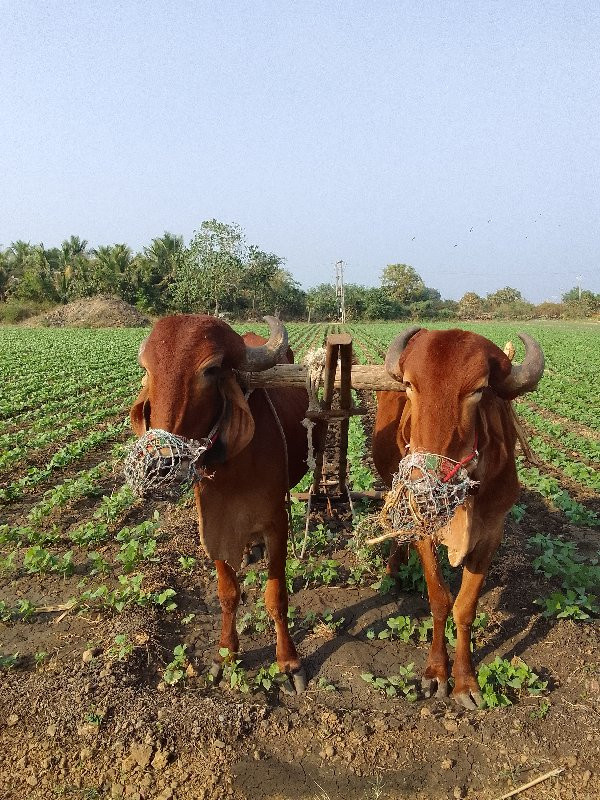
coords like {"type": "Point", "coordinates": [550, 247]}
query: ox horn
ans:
{"type": "Point", "coordinates": [395, 351]}
{"type": "Point", "coordinates": [272, 352]}
{"type": "Point", "coordinates": [526, 376]}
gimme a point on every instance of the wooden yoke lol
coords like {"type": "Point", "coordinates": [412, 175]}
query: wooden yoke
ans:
{"type": "Point", "coordinates": [339, 345]}
{"type": "Point", "coordinates": [372, 377]}
{"type": "Point", "coordinates": [341, 374]}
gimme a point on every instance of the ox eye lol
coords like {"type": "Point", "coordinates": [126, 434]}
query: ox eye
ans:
{"type": "Point", "coordinates": [211, 371]}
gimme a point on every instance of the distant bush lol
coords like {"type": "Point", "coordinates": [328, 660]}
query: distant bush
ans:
{"type": "Point", "coordinates": [13, 311]}
{"type": "Point", "coordinates": [549, 310]}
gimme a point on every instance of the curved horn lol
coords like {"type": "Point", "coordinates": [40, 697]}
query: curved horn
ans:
{"type": "Point", "coordinates": [272, 352]}
{"type": "Point", "coordinates": [526, 376]}
{"type": "Point", "coordinates": [395, 350]}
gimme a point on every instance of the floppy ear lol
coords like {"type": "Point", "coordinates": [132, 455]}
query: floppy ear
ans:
{"type": "Point", "coordinates": [237, 428]}
{"type": "Point", "coordinates": [500, 367]}
{"type": "Point", "coordinates": [140, 413]}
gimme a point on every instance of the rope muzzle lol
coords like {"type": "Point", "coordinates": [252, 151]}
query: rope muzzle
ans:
{"type": "Point", "coordinates": [425, 493]}
{"type": "Point", "coordinates": [163, 465]}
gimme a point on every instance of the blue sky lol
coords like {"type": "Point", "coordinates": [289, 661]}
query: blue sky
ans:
{"type": "Point", "coordinates": [461, 138]}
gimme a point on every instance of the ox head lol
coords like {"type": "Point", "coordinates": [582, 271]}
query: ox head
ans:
{"type": "Point", "coordinates": [449, 376]}
{"type": "Point", "coordinates": [190, 387]}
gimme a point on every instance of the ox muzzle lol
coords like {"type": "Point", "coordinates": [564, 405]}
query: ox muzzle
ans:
{"type": "Point", "coordinates": [425, 493]}
{"type": "Point", "coordinates": [165, 466]}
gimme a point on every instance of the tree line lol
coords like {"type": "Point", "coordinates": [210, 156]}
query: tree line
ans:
{"type": "Point", "coordinates": [218, 272]}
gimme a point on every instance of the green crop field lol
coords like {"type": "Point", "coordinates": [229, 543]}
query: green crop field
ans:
{"type": "Point", "coordinates": [64, 425]}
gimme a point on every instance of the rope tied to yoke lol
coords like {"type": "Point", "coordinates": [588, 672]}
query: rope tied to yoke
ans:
{"type": "Point", "coordinates": [315, 361]}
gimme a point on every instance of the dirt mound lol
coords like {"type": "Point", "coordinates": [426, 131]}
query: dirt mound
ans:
{"type": "Point", "coordinates": [102, 311]}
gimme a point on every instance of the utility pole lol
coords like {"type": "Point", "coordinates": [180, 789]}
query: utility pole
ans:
{"type": "Point", "coordinates": [339, 291]}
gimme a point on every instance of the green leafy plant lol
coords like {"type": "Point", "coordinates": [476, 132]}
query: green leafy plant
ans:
{"type": "Point", "coordinates": [233, 672]}
{"type": "Point", "coordinates": [94, 716]}
{"type": "Point", "coordinates": [39, 657]}
{"type": "Point", "coordinates": [122, 647]}
{"type": "Point", "coordinates": [401, 628]}
{"type": "Point", "coordinates": [503, 681]}
{"type": "Point", "coordinates": [392, 685]}
{"type": "Point", "coordinates": [541, 711]}
{"type": "Point", "coordinates": [8, 662]}
{"type": "Point", "coordinates": [570, 604]}
{"type": "Point", "coordinates": [187, 563]}
{"type": "Point", "coordinates": [175, 669]}
{"type": "Point", "coordinates": [269, 677]}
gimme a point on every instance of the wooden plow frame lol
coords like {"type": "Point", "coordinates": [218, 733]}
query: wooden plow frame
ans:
{"type": "Point", "coordinates": [338, 373]}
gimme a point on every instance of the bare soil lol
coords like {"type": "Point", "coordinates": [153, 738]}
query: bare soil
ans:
{"type": "Point", "coordinates": [101, 311]}
{"type": "Point", "coordinates": [97, 727]}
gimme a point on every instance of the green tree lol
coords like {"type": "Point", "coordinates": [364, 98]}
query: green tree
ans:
{"type": "Point", "coordinates": [217, 262]}
{"type": "Point", "coordinates": [381, 305]}
{"type": "Point", "coordinates": [113, 271]}
{"type": "Point", "coordinates": [286, 296]}
{"type": "Point", "coordinates": [504, 297]}
{"type": "Point", "coordinates": [355, 301]}
{"type": "Point", "coordinates": [471, 306]}
{"type": "Point", "coordinates": [260, 272]}
{"type": "Point", "coordinates": [403, 283]}
{"type": "Point", "coordinates": [581, 302]}
{"type": "Point", "coordinates": [322, 302]}
{"type": "Point", "coordinates": [70, 264]}
{"type": "Point", "coordinates": [36, 280]}
{"type": "Point", "coordinates": [155, 269]}
{"type": "Point", "coordinates": [4, 275]}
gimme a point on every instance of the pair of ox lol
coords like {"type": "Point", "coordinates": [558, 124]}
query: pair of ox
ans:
{"type": "Point", "coordinates": [458, 385]}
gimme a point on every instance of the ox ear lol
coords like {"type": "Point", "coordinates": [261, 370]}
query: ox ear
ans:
{"type": "Point", "coordinates": [140, 413]}
{"type": "Point", "coordinates": [237, 429]}
{"type": "Point", "coordinates": [500, 367]}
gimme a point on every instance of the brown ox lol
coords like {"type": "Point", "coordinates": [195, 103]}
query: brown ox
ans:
{"type": "Point", "coordinates": [190, 385]}
{"type": "Point", "coordinates": [458, 388]}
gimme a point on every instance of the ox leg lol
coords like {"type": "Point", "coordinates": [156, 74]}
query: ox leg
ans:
{"type": "Point", "coordinates": [398, 555]}
{"type": "Point", "coordinates": [435, 677]}
{"type": "Point", "coordinates": [466, 689]}
{"type": "Point", "coordinates": [276, 603]}
{"type": "Point", "coordinates": [228, 590]}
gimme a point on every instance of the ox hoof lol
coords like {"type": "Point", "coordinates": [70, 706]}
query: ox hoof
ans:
{"type": "Point", "coordinates": [434, 686]}
{"type": "Point", "coordinates": [216, 671]}
{"type": "Point", "coordinates": [295, 682]}
{"type": "Point", "coordinates": [471, 700]}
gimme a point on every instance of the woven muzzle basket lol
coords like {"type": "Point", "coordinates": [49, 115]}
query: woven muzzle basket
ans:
{"type": "Point", "coordinates": [164, 466]}
{"type": "Point", "coordinates": [421, 501]}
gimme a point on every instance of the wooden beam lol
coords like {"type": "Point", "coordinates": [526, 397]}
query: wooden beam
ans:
{"type": "Point", "coordinates": [371, 494]}
{"type": "Point", "coordinates": [286, 376]}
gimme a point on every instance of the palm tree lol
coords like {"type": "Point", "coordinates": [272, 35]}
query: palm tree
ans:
{"type": "Point", "coordinates": [156, 269]}
{"type": "Point", "coordinates": [113, 271]}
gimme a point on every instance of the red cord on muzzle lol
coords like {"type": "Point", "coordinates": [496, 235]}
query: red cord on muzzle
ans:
{"type": "Point", "coordinates": [474, 454]}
